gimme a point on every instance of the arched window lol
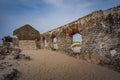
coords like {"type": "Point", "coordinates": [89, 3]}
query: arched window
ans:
{"type": "Point", "coordinates": [76, 43]}
{"type": "Point", "coordinates": [77, 38]}
{"type": "Point", "coordinates": [54, 40]}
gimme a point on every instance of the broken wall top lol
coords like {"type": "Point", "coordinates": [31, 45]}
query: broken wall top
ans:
{"type": "Point", "coordinates": [26, 32]}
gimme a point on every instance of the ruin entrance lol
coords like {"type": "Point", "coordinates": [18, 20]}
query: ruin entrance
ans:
{"type": "Point", "coordinates": [45, 43]}
{"type": "Point", "coordinates": [55, 45]}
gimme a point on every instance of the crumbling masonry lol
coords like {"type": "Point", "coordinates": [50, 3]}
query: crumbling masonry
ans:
{"type": "Point", "coordinates": [100, 32]}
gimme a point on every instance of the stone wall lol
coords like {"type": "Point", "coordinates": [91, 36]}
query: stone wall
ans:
{"type": "Point", "coordinates": [27, 44]}
{"type": "Point", "coordinates": [104, 36]}
{"type": "Point", "coordinates": [100, 32]}
{"type": "Point", "coordinates": [26, 32]}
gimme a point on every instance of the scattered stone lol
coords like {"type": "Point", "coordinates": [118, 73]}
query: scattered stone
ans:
{"type": "Point", "coordinates": [4, 51]}
{"type": "Point", "coordinates": [4, 63]}
{"type": "Point", "coordinates": [17, 56]}
{"type": "Point", "coordinates": [16, 51]}
{"type": "Point", "coordinates": [21, 56]}
{"type": "Point", "coordinates": [115, 62]}
{"type": "Point", "coordinates": [27, 58]}
{"type": "Point", "coordinates": [2, 57]}
{"type": "Point", "coordinates": [53, 49]}
{"type": "Point", "coordinates": [13, 75]}
{"type": "Point", "coordinates": [2, 67]}
{"type": "Point", "coordinates": [10, 65]}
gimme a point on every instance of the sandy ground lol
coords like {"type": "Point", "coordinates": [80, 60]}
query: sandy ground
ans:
{"type": "Point", "coordinates": [52, 65]}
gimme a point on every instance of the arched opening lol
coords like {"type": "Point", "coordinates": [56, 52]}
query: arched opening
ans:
{"type": "Point", "coordinates": [54, 40]}
{"type": "Point", "coordinates": [55, 45]}
{"type": "Point", "coordinates": [76, 40]}
{"type": "Point", "coordinates": [45, 43]}
{"type": "Point", "coordinates": [76, 43]}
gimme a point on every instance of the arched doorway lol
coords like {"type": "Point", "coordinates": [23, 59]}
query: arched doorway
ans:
{"type": "Point", "coordinates": [45, 43]}
{"type": "Point", "coordinates": [55, 45]}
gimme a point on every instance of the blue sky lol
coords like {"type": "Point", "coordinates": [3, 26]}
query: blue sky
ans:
{"type": "Point", "coordinates": [45, 15]}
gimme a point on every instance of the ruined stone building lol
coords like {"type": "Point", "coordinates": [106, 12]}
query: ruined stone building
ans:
{"type": "Point", "coordinates": [100, 33]}
{"type": "Point", "coordinates": [27, 36]}
{"type": "Point", "coordinates": [26, 32]}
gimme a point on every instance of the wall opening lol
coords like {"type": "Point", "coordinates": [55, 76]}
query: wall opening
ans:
{"type": "Point", "coordinates": [54, 40]}
{"type": "Point", "coordinates": [45, 43]}
{"type": "Point", "coordinates": [77, 38]}
{"type": "Point", "coordinates": [55, 45]}
{"type": "Point", "coordinates": [76, 43]}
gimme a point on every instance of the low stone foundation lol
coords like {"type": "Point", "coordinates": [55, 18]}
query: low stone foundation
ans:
{"type": "Point", "coordinates": [27, 44]}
